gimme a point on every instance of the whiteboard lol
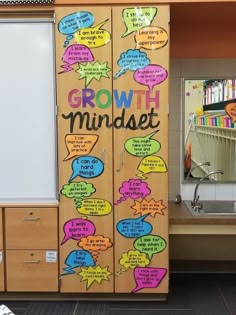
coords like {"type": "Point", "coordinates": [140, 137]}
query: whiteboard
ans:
{"type": "Point", "coordinates": [27, 112]}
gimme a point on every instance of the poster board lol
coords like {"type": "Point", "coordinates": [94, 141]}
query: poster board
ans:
{"type": "Point", "coordinates": [28, 168]}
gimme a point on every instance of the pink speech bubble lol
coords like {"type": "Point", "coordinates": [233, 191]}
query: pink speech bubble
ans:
{"type": "Point", "coordinates": [134, 189]}
{"type": "Point", "coordinates": [74, 54]}
{"type": "Point", "coordinates": [77, 228]}
{"type": "Point", "coordinates": [148, 277]}
{"type": "Point", "coordinates": [151, 75]}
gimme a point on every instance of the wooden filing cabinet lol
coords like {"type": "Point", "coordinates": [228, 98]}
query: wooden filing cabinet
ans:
{"type": "Point", "coordinates": [1, 254]}
{"type": "Point", "coordinates": [31, 249]}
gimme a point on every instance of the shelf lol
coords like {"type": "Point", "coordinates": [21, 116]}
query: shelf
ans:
{"type": "Point", "coordinates": [218, 106]}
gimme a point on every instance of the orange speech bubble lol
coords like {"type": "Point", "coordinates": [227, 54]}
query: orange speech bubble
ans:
{"type": "Point", "coordinates": [95, 243]}
{"type": "Point", "coordinates": [231, 111]}
{"type": "Point", "coordinates": [151, 37]}
{"type": "Point", "coordinates": [78, 144]}
{"type": "Point", "coordinates": [151, 207]}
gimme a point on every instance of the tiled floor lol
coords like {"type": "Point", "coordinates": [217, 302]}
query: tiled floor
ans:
{"type": "Point", "coordinates": [190, 294]}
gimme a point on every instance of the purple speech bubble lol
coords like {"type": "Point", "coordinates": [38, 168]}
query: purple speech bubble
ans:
{"type": "Point", "coordinates": [77, 228]}
{"type": "Point", "coordinates": [74, 54]}
{"type": "Point", "coordinates": [148, 277]}
{"type": "Point", "coordinates": [151, 75]}
{"type": "Point", "coordinates": [134, 189]}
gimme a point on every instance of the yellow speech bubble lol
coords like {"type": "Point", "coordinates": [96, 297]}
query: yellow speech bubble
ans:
{"type": "Point", "coordinates": [79, 144]}
{"type": "Point", "coordinates": [93, 37]}
{"type": "Point", "coordinates": [95, 206]}
{"type": "Point", "coordinates": [134, 258]}
{"type": "Point", "coordinates": [151, 38]}
{"type": "Point", "coordinates": [95, 243]}
{"type": "Point", "coordinates": [151, 164]}
{"type": "Point", "coordinates": [231, 111]}
{"type": "Point", "coordinates": [96, 274]}
{"type": "Point", "coordinates": [151, 207]}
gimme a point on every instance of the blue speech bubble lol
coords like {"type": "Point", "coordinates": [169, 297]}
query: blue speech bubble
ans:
{"type": "Point", "coordinates": [78, 258]}
{"type": "Point", "coordinates": [86, 167]}
{"type": "Point", "coordinates": [132, 228]}
{"type": "Point", "coordinates": [73, 22]}
{"type": "Point", "coordinates": [132, 59]}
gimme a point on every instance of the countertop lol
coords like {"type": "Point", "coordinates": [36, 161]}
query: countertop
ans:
{"type": "Point", "coordinates": [179, 214]}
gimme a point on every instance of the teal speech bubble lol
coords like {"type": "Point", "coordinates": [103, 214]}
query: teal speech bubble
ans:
{"type": "Point", "coordinates": [150, 244]}
{"type": "Point", "coordinates": [142, 146]}
{"type": "Point", "coordinates": [137, 18]}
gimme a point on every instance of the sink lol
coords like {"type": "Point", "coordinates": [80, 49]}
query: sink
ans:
{"type": "Point", "coordinates": [213, 207]}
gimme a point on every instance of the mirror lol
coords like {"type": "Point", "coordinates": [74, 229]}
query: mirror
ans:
{"type": "Point", "coordinates": [209, 129]}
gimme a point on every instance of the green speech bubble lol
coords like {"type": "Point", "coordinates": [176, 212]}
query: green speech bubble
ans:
{"type": "Point", "coordinates": [150, 244]}
{"type": "Point", "coordinates": [78, 191]}
{"type": "Point", "coordinates": [91, 71]}
{"type": "Point", "coordinates": [137, 18]}
{"type": "Point", "coordinates": [142, 146]}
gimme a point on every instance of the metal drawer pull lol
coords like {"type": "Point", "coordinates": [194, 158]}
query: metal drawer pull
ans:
{"type": "Point", "coordinates": [31, 261]}
{"type": "Point", "coordinates": [31, 219]}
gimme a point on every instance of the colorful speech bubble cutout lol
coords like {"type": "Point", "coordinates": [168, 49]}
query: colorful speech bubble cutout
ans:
{"type": "Point", "coordinates": [78, 191]}
{"type": "Point", "coordinates": [87, 167]}
{"type": "Point", "coordinates": [134, 189]}
{"type": "Point", "coordinates": [76, 229]}
{"type": "Point", "coordinates": [95, 207]}
{"type": "Point", "coordinates": [95, 243]}
{"type": "Point", "coordinates": [142, 146]}
{"type": "Point", "coordinates": [230, 109]}
{"type": "Point", "coordinates": [151, 164]}
{"type": "Point", "coordinates": [151, 38]}
{"type": "Point", "coordinates": [132, 60]}
{"type": "Point", "coordinates": [132, 259]}
{"type": "Point", "coordinates": [77, 258]}
{"type": "Point", "coordinates": [90, 72]}
{"type": "Point", "coordinates": [151, 207]}
{"type": "Point", "coordinates": [151, 75]}
{"type": "Point", "coordinates": [93, 37]}
{"type": "Point", "coordinates": [148, 277]}
{"type": "Point", "coordinates": [136, 18]}
{"type": "Point", "coordinates": [79, 144]}
{"type": "Point", "coordinates": [133, 228]}
{"type": "Point", "coordinates": [75, 54]}
{"type": "Point", "coordinates": [97, 274]}
{"type": "Point", "coordinates": [71, 23]}
{"type": "Point", "coordinates": [150, 245]}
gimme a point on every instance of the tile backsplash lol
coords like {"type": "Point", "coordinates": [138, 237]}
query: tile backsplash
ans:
{"type": "Point", "coordinates": [192, 68]}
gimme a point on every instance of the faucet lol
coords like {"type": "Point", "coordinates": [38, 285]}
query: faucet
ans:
{"type": "Point", "coordinates": [196, 205]}
{"type": "Point", "coordinates": [196, 166]}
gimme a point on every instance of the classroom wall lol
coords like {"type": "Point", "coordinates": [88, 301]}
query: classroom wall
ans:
{"type": "Point", "coordinates": [203, 30]}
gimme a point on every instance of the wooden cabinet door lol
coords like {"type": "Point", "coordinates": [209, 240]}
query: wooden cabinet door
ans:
{"type": "Point", "coordinates": [31, 270]}
{"type": "Point", "coordinates": [140, 65]}
{"type": "Point", "coordinates": [84, 97]}
{"type": "Point", "coordinates": [1, 230]}
{"type": "Point", "coordinates": [31, 228]}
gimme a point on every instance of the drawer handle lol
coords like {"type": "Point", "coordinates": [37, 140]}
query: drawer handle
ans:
{"type": "Point", "coordinates": [32, 219]}
{"type": "Point", "coordinates": [31, 261]}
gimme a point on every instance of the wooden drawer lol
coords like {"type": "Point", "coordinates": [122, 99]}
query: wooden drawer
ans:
{"type": "Point", "coordinates": [2, 286]}
{"type": "Point", "coordinates": [28, 271]}
{"type": "Point", "coordinates": [1, 230]}
{"type": "Point", "coordinates": [31, 228]}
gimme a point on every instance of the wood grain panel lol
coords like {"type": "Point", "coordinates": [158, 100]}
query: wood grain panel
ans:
{"type": "Point", "coordinates": [31, 228]}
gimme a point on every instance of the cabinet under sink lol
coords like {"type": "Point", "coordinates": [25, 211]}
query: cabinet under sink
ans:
{"type": "Point", "coordinates": [213, 207]}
